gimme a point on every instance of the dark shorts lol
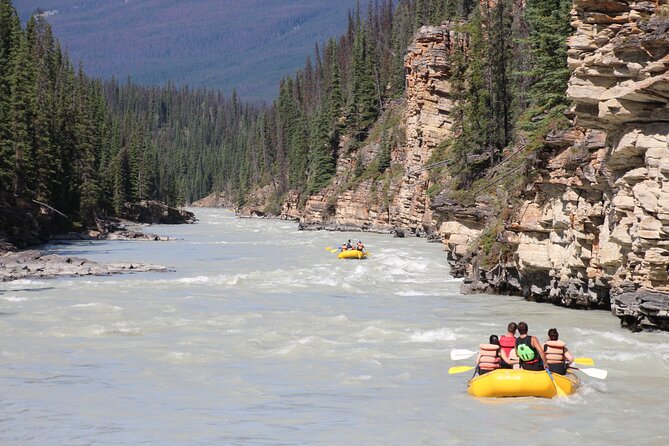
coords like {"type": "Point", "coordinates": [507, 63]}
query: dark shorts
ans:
{"type": "Point", "coordinates": [537, 366]}
{"type": "Point", "coordinates": [560, 369]}
{"type": "Point", "coordinates": [504, 365]}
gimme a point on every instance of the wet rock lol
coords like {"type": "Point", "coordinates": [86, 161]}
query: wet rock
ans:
{"type": "Point", "coordinates": [33, 264]}
{"type": "Point", "coordinates": [641, 309]}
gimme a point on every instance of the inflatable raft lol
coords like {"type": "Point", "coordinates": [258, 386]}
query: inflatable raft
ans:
{"type": "Point", "coordinates": [352, 254]}
{"type": "Point", "coordinates": [502, 383]}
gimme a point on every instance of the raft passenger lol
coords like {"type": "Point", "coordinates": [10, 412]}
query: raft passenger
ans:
{"type": "Point", "coordinates": [531, 355]}
{"type": "Point", "coordinates": [558, 356]}
{"type": "Point", "coordinates": [349, 246]}
{"type": "Point", "coordinates": [507, 345]}
{"type": "Point", "coordinates": [488, 358]}
{"type": "Point", "coordinates": [360, 247]}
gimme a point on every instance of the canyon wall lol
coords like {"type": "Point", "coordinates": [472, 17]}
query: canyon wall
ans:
{"type": "Point", "coordinates": [396, 201]}
{"type": "Point", "coordinates": [592, 229]}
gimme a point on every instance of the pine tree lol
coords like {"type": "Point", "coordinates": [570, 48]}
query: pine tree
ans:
{"type": "Point", "coordinates": [384, 152]}
{"type": "Point", "coordinates": [549, 27]}
{"type": "Point", "coordinates": [22, 106]}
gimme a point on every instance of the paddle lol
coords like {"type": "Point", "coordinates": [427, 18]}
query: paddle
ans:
{"type": "Point", "coordinates": [459, 369]}
{"type": "Point", "coordinates": [458, 354]}
{"type": "Point", "coordinates": [561, 393]}
{"type": "Point", "coordinates": [595, 373]}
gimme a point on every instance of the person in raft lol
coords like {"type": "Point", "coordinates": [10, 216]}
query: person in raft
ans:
{"type": "Point", "coordinates": [558, 356]}
{"type": "Point", "coordinates": [360, 247]}
{"type": "Point", "coordinates": [530, 353]}
{"type": "Point", "coordinates": [343, 247]}
{"type": "Point", "coordinates": [488, 358]}
{"type": "Point", "coordinates": [507, 345]}
{"type": "Point", "coordinates": [349, 245]}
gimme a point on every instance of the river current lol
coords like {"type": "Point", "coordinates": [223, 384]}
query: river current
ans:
{"type": "Point", "coordinates": [259, 336]}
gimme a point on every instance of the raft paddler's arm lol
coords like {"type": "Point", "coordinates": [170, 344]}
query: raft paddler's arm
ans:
{"type": "Point", "coordinates": [540, 349]}
{"type": "Point", "coordinates": [568, 356]}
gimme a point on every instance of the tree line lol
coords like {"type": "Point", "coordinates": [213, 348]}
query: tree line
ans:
{"type": "Point", "coordinates": [60, 143]}
{"type": "Point", "coordinates": [85, 146]}
{"type": "Point", "coordinates": [508, 72]}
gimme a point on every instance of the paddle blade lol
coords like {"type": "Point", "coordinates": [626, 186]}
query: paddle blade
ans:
{"type": "Point", "coordinates": [459, 369]}
{"type": "Point", "coordinates": [458, 354]}
{"type": "Point", "coordinates": [584, 361]}
{"type": "Point", "coordinates": [328, 248]}
{"type": "Point", "coordinates": [595, 373]}
{"type": "Point", "coordinates": [560, 393]}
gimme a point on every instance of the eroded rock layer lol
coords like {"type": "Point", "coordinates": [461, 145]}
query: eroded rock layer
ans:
{"type": "Point", "coordinates": [398, 200]}
{"type": "Point", "coordinates": [593, 229]}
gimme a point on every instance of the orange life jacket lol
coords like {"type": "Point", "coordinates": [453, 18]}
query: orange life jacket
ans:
{"type": "Point", "coordinates": [488, 357]}
{"type": "Point", "coordinates": [555, 352]}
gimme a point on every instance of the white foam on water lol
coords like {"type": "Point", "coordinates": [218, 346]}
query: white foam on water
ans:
{"type": "Point", "coordinates": [14, 298]}
{"type": "Point", "coordinates": [97, 304]}
{"type": "Point", "coordinates": [440, 335]}
{"type": "Point", "coordinates": [19, 283]}
{"type": "Point", "coordinates": [417, 293]}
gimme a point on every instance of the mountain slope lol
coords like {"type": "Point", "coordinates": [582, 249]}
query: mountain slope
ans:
{"type": "Point", "coordinates": [248, 45]}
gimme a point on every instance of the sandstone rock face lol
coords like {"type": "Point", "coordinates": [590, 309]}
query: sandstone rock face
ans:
{"type": "Point", "coordinates": [213, 200]}
{"type": "Point", "coordinates": [629, 65]}
{"type": "Point", "coordinates": [397, 201]}
{"type": "Point", "coordinates": [593, 231]}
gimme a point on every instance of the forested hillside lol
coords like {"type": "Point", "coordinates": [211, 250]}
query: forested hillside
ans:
{"type": "Point", "coordinates": [244, 45]}
{"type": "Point", "coordinates": [64, 146]}
{"type": "Point", "coordinates": [509, 74]}
{"type": "Point", "coordinates": [59, 143]}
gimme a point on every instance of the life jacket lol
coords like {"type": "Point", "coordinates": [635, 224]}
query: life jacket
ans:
{"type": "Point", "coordinates": [507, 343]}
{"type": "Point", "coordinates": [488, 357]}
{"type": "Point", "coordinates": [526, 353]}
{"type": "Point", "coordinates": [555, 352]}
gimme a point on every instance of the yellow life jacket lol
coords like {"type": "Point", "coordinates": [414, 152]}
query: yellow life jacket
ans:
{"type": "Point", "coordinates": [555, 352]}
{"type": "Point", "coordinates": [488, 357]}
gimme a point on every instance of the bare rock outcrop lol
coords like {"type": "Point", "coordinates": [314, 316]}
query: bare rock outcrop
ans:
{"type": "Point", "coordinates": [593, 227]}
{"type": "Point", "coordinates": [33, 264]}
{"type": "Point", "coordinates": [398, 201]}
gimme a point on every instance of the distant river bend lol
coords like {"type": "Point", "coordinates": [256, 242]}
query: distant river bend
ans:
{"type": "Point", "coordinates": [261, 337]}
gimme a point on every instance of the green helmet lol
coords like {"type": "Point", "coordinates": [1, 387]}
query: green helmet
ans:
{"type": "Point", "coordinates": [524, 352]}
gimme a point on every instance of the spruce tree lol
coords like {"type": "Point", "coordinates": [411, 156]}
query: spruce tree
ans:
{"type": "Point", "coordinates": [549, 27]}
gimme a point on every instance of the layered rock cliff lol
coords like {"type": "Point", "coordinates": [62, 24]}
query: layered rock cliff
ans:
{"type": "Point", "coordinates": [397, 200]}
{"type": "Point", "coordinates": [592, 228]}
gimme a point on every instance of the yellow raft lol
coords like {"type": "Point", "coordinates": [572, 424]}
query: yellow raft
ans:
{"type": "Point", "coordinates": [502, 383]}
{"type": "Point", "coordinates": [352, 254]}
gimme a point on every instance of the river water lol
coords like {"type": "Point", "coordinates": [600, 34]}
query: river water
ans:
{"type": "Point", "coordinates": [259, 336]}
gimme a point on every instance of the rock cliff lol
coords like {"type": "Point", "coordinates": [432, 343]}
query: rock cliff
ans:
{"type": "Point", "coordinates": [397, 200]}
{"type": "Point", "coordinates": [592, 229]}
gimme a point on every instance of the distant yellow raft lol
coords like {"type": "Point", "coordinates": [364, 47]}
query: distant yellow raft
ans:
{"type": "Point", "coordinates": [352, 254]}
{"type": "Point", "coordinates": [502, 383]}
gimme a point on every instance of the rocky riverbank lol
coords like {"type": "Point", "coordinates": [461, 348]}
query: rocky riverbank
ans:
{"type": "Point", "coordinates": [28, 223]}
{"type": "Point", "coordinates": [32, 264]}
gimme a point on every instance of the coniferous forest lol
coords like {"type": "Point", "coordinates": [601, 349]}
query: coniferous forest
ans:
{"type": "Point", "coordinates": [85, 146]}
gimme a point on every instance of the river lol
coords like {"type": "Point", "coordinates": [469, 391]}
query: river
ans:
{"type": "Point", "coordinates": [259, 336]}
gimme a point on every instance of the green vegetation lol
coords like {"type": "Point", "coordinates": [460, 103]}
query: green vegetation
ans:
{"type": "Point", "coordinates": [86, 147]}
{"type": "Point", "coordinates": [59, 143]}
